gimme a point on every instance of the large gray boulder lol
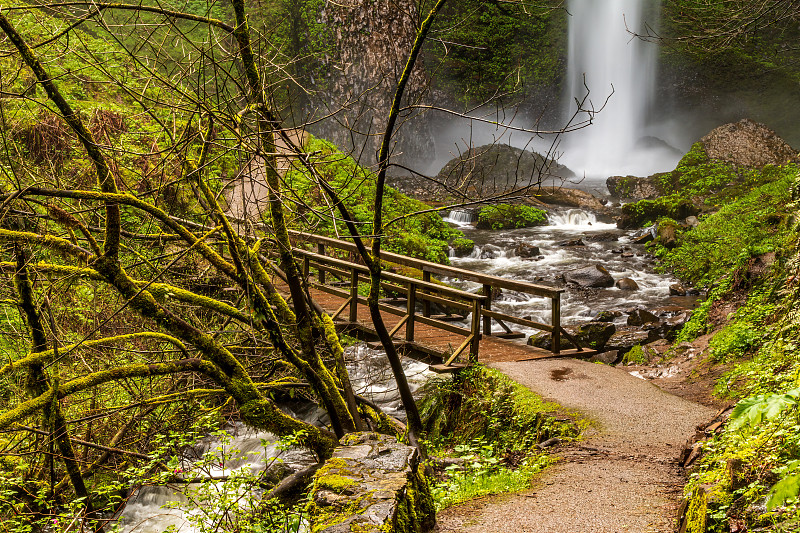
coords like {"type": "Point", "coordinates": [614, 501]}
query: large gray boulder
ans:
{"type": "Point", "coordinates": [748, 144]}
{"type": "Point", "coordinates": [593, 276]}
{"type": "Point", "coordinates": [498, 167]}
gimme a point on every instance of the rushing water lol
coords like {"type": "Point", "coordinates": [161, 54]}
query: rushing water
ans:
{"type": "Point", "coordinates": [155, 508]}
{"type": "Point", "coordinates": [495, 254]}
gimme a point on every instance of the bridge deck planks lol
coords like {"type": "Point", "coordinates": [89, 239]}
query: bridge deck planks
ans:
{"type": "Point", "coordinates": [491, 349]}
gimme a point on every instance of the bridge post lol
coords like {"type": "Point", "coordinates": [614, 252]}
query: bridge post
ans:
{"type": "Point", "coordinates": [487, 304]}
{"type": "Point", "coordinates": [353, 296]}
{"type": "Point", "coordinates": [411, 310]}
{"type": "Point", "coordinates": [321, 251]}
{"type": "Point", "coordinates": [556, 323]}
{"type": "Point", "coordinates": [476, 331]}
{"type": "Point", "coordinates": [426, 304]}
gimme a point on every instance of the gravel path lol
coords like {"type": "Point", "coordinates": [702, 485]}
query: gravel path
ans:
{"type": "Point", "coordinates": [623, 477]}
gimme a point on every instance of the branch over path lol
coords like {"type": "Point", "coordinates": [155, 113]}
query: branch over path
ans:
{"type": "Point", "coordinates": [623, 478]}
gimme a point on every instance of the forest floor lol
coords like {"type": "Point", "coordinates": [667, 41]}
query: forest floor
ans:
{"type": "Point", "coordinates": [622, 476]}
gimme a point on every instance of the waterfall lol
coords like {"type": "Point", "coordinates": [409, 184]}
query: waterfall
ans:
{"type": "Point", "coordinates": [604, 52]}
{"type": "Point", "coordinates": [461, 217]}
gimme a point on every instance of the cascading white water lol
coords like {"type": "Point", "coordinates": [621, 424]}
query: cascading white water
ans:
{"type": "Point", "coordinates": [620, 73]}
{"type": "Point", "coordinates": [461, 217]}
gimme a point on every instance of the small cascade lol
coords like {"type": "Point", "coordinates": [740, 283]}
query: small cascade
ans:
{"type": "Point", "coordinates": [577, 219]}
{"type": "Point", "coordinates": [461, 217]}
{"type": "Point", "coordinates": [157, 508]}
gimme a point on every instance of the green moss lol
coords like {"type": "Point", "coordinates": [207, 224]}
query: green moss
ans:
{"type": "Point", "coordinates": [696, 512]}
{"type": "Point", "coordinates": [644, 212]}
{"type": "Point", "coordinates": [510, 216]}
{"type": "Point", "coordinates": [635, 355]}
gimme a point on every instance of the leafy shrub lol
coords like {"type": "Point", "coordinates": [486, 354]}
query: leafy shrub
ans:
{"type": "Point", "coordinates": [749, 226]}
{"type": "Point", "coordinates": [510, 216]}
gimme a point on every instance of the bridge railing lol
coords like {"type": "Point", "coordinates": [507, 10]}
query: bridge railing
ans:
{"type": "Point", "coordinates": [426, 292]}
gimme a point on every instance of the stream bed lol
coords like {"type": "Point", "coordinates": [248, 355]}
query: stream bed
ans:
{"type": "Point", "coordinates": [601, 244]}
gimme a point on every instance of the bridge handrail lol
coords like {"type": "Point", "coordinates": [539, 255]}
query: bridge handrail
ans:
{"type": "Point", "coordinates": [442, 270]}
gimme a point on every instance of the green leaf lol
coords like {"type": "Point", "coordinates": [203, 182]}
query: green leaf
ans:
{"type": "Point", "coordinates": [784, 490]}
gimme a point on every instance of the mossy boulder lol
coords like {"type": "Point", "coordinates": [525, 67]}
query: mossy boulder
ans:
{"type": "Point", "coordinates": [498, 167]}
{"type": "Point", "coordinates": [638, 214]}
{"type": "Point", "coordinates": [372, 483]}
{"type": "Point", "coordinates": [462, 247]}
{"type": "Point", "coordinates": [667, 233]}
{"type": "Point", "coordinates": [510, 216]}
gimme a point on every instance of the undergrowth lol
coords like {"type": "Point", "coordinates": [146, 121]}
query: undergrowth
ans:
{"type": "Point", "coordinates": [492, 426]}
{"type": "Point", "coordinates": [749, 475]}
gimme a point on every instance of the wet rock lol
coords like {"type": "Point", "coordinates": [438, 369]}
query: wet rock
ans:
{"type": "Point", "coordinates": [607, 316]}
{"type": "Point", "coordinates": [617, 251]}
{"type": "Point", "coordinates": [644, 238]}
{"type": "Point", "coordinates": [594, 276]}
{"type": "Point", "coordinates": [605, 236]}
{"type": "Point", "coordinates": [488, 254]}
{"type": "Point", "coordinates": [526, 251]}
{"type": "Point", "coordinates": [627, 255]}
{"type": "Point", "coordinates": [572, 242]}
{"type": "Point", "coordinates": [640, 317]}
{"type": "Point", "coordinates": [670, 326]}
{"type": "Point", "coordinates": [626, 337]}
{"type": "Point", "coordinates": [627, 284]}
{"type": "Point", "coordinates": [676, 289]}
{"type": "Point", "coordinates": [609, 358]}
{"type": "Point", "coordinates": [594, 334]}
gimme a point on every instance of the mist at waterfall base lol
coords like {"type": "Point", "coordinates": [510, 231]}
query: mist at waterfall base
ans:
{"type": "Point", "coordinates": [610, 71]}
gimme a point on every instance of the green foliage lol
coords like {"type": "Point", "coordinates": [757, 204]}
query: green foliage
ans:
{"type": "Point", "coordinates": [746, 227]}
{"type": "Point", "coordinates": [756, 458]}
{"type": "Point", "coordinates": [493, 48]}
{"type": "Point", "coordinates": [422, 235]}
{"type": "Point", "coordinates": [635, 355]}
{"type": "Point", "coordinates": [645, 212]}
{"type": "Point", "coordinates": [510, 216]}
{"type": "Point", "coordinates": [484, 474]}
{"type": "Point", "coordinates": [493, 424]}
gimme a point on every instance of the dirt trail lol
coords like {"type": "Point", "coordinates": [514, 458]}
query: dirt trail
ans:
{"type": "Point", "coordinates": [623, 477]}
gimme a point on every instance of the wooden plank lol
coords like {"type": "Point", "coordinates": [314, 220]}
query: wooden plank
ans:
{"type": "Point", "coordinates": [563, 353]}
{"type": "Point", "coordinates": [517, 320]}
{"type": "Point", "coordinates": [447, 369]}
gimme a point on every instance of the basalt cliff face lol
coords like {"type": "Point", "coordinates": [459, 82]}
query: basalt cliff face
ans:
{"type": "Point", "coordinates": [370, 42]}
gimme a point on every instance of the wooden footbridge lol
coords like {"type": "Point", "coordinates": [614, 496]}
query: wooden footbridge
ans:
{"type": "Point", "coordinates": [423, 314]}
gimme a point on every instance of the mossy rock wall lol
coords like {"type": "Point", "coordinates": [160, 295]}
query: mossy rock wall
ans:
{"type": "Point", "coordinates": [371, 483]}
